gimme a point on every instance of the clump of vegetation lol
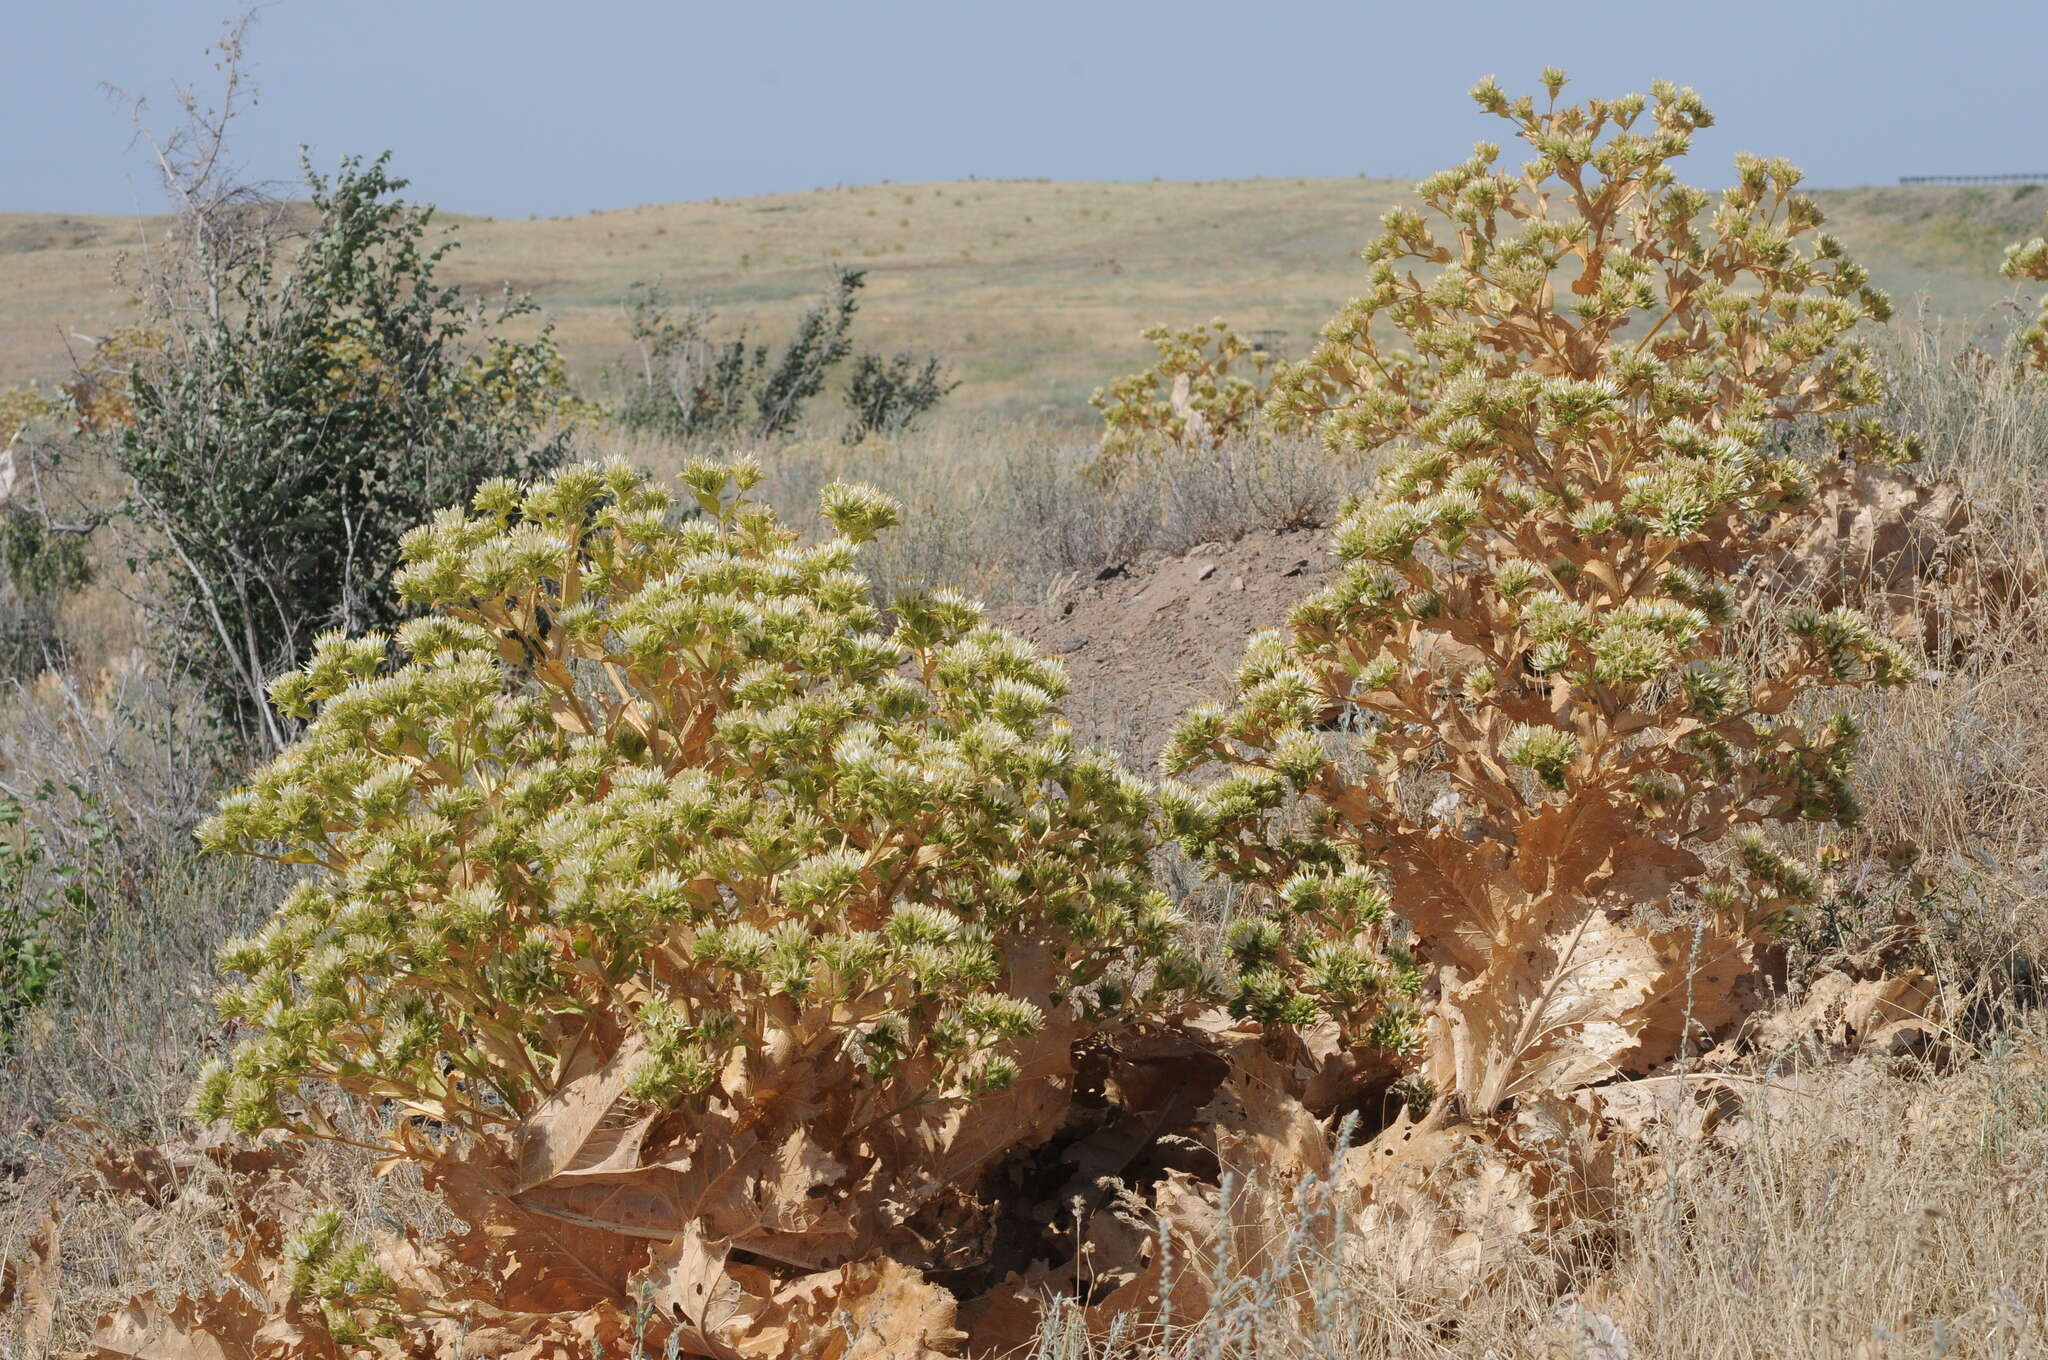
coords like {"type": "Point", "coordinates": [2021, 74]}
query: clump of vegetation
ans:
{"type": "Point", "coordinates": [887, 396]}
{"type": "Point", "coordinates": [649, 844]}
{"type": "Point", "coordinates": [694, 384]}
{"type": "Point", "coordinates": [1520, 719]}
{"type": "Point", "coordinates": [2029, 260]}
{"type": "Point", "coordinates": [45, 890]}
{"type": "Point", "coordinates": [21, 407]}
{"type": "Point", "coordinates": [42, 555]}
{"type": "Point", "coordinates": [307, 410]}
{"type": "Point", "coordinates": [30, 957]}
{"type": "Point", "coordinates": [736, 964]}
{"type": "Point", "coordinates": [1189, 400]}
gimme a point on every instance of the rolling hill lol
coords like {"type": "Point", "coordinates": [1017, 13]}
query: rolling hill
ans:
{"type": "Point", "coordinates": [1036, 291]}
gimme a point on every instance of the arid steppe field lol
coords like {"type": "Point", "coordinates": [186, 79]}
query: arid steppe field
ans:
{"type": "Point", "coordinates": [1519, 832]}
{"type": "Point", "coordinates": [1035, 291]}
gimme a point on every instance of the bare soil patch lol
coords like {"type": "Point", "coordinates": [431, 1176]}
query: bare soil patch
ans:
{"type": "Point", "coordinates": [1143, 640]}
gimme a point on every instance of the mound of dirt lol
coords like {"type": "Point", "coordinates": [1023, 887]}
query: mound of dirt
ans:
{"type": "Point", "coordinates": [1144, 640]}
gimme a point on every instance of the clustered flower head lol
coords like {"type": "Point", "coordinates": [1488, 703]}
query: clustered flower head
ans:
{"type": "Point", "coordinates": [2029, 260]}
{"type": "Point", "coordinates": [1518, 706]}
{"type": "Point", "coordinates": [653, 782]}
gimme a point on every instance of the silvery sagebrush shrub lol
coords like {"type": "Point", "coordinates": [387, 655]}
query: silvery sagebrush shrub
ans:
{"type": "Point", "coordinates": [2029, 260]}
{"type": "Point", "coordinates": [1513, 752]}
{"type": "Point", "coordinates": [689, 890]}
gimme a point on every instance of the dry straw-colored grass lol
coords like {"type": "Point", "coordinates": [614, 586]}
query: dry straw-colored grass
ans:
{"type": "Point", "coordinates": [1035, 290]}
{"type": "Point", "coordinates": [1869, 1210]}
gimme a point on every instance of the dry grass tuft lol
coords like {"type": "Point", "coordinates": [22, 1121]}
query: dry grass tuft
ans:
{"type": "Point", "coordinates": [1005, 510]}
{"type": "Point", "coordinates": [1871, 1210]}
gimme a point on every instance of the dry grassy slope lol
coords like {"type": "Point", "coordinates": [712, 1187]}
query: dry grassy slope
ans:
{"type": "Point", "coordinates": [1037, 290]}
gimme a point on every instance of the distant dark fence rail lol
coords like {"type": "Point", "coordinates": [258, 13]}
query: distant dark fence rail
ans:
{"type": "Point", "coordinates": [1974, 179]}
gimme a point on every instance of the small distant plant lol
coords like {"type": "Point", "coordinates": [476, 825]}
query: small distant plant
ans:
{"type": "Point", "coordinates": [1517, 737]}
{"type": "Point", "coordinates": [21, 407]}
{"type": "Point", "coordinates": [37, 895]}
{"type": "Point", "coordinates": [887, 396]}
{"type": "Point", "coordinates": [1189, 400]}
{"type": "Point", "coordinates": [30, 960]}
{"type": "Point", "coordinates": [2029, 260]}
{"type": "Point", "coordinates": [99, 393]}
{"type": "Point", "coordinates": [43, 553]}
{"type": "Point", "coordinates": [696, 384]}
{"type": "Point", "coordinates": [649, 822]}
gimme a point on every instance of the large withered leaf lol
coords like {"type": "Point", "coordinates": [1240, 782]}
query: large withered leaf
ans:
{"type": "Point", "coordinates": [29, 1288]}
{"type": "Point", "coordinates": [869, 1310]}
{"type": "Point", "coordinates": [1612, 995]}
{"type": "Point", "coordinates": [581, 1128]}
{"type": "Point", "coordinates": [1443, 1206]}
{"type": "Point", "coordinates": [645, 1203]}
{"type": "Point", "coordinates": [803, 1216]}
{"type": "Point", "coordinates": [872, 1310]}
{"type": "Point", "coordinates": [1261, 1126]}
{"type": "Point", "coordinates": [687, 1282]}
{"type": "Point", "coordinates": [1841, 1016]}
{"type": "Point", "coordinates": [1436, 1208]}
{"type": "Point", "coordinates": [213, 1327]}
{"type": "Point", "coordinates": [543, 1263]}
{"type": "Point", "coordinates": [1904, 551]}
{"type": "Point", "coordinates": [1874, 528]}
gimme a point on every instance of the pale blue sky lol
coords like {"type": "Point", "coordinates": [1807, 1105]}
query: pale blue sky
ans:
{"type": "Point", "coordinates": [516, 107]}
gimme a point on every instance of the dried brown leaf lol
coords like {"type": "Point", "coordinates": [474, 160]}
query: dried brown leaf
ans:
{"type": "Point", "coordinates": [1904, 551]}
{"type": "Point", "coordinates": [30, 1287]}
{"type": "Point", "coordinates": [863, 1311]}
{"type": "Point", "coordinates": [686, 1281]}
{"type": "Point", "coordinates": [1841, 1016]}
{"type": "Point", "coordinates": [215, 1327]}
{"type": "Point", "coordinates": [536, 1262]}
{"type": "Point", "coordinates": [579, 1130]}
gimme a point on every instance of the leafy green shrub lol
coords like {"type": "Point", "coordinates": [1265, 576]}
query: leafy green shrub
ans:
{"type": "Point", "coordinates": [651, 823]}
{"type": "Point", "coordinates": [694, 384]}
{"type": "Point", "coordinates": [37, 894]}
{"type": "Point", "coordinates": [308, 410]}
{"type": "Point", "coordinates": [42, 558]}
{"type": "Point", "coordinates": [30, 960]}
{"type": "Point", "coordinates": [888, 396]}
{"type": "Point", "coordinates": [1517, 734]}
